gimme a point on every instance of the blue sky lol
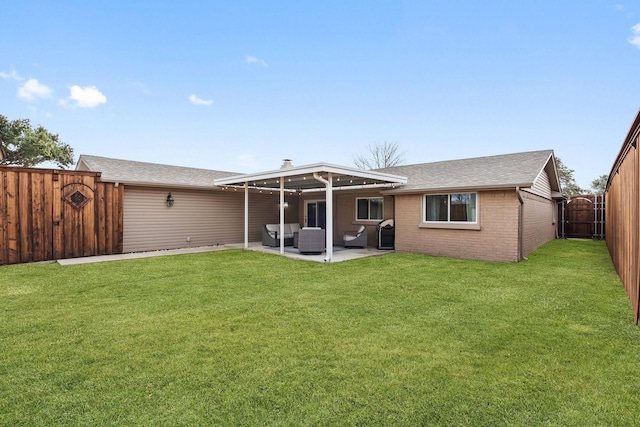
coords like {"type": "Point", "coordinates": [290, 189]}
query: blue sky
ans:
{"type": "Point", "coordinates": [239, 86]}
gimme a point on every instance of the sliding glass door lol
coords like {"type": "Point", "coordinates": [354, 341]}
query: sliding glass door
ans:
{"type": "Point", "coordinates": [316, 214]}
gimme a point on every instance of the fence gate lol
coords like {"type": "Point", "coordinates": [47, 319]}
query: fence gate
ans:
{"type": "Point", "coordinates": [52, 214]}
{"type": "Point", "coordinates": [582, 216]}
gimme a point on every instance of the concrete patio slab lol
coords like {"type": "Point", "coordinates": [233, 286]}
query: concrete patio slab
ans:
{"type": "Point", "coordinates": [340, 253]}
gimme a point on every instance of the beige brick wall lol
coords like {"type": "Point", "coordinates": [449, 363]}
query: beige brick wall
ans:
{"type": "Point", "coordinates": [538, 224]}
{"type": "Point", "coordinates": [497, 239]}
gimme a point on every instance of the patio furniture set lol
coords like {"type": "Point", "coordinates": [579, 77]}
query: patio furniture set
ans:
{"type": "Point", "coordinates": [308, 240]}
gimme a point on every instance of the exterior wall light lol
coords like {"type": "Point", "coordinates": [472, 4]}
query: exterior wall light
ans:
{"type": "Point", "coordinates": [169, 200]}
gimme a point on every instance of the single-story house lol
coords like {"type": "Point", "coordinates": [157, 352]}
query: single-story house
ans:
{"type": "Point", "coordinates": [497, 208]}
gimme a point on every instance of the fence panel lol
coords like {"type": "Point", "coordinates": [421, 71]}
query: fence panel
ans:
{"type": "Point", "coordinates": [582, 216]}
{"type": "Point", "coordinates": [623, 216]}
{"type": "Point", "coordinates": [51, 214]}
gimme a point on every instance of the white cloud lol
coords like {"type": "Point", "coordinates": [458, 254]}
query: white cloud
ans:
{"type": "Point", "coordinates": [198, 101]}
{"type": "Point", "coordinates": [86, 97]}
{"type": "Point", "coordinates": [635, 39]}
{"type": "Point", "coordinates": [253, 60]}
{"type": "Point", "coordinates": [620, 8]}
{"type": "Point", "coordinates": [33, 89]}
{"type": "Point", "coordinates": [138, 85]}
{"type": "Point", "coordinates": [246, 161]}
{"type": "Point", "coordinates": [13, 75]}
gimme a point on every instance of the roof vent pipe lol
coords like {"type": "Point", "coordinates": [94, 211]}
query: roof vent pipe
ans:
{"type": "Point", "coordinates": [286, 164]}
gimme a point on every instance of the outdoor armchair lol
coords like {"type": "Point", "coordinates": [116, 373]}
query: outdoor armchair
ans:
{"type": "Point", "coordinates": [356, 238]}
{"type": "Point", "coordinates": [311, 240]}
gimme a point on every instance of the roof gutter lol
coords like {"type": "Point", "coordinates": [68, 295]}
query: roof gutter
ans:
{"type": "Point", "coordinates": [458, 189]}
{"type": "Point", "coordinates": [163, 184]}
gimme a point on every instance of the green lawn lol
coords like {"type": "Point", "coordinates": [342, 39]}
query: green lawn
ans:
{"type": "Point", "coordinates": [246, 338]}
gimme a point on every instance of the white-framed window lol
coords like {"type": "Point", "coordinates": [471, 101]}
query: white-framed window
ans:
{"type": "Point", "coordinates": [456, 208]}
{"type": "Point", "coordinates": [369, 209]}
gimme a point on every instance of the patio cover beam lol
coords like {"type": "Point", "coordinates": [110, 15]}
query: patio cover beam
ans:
{"type": "Point", "coordinates": [300, 178]}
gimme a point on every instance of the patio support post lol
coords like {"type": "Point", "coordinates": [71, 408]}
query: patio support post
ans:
{"type": "Point", "coordinates": [329, 204]}
{"type": "Point", "coordinates": [281, 215]}
{"type": "Point", "coordinates": [246, 215]}
{"type": "Point", "coordinates": [328, 183]}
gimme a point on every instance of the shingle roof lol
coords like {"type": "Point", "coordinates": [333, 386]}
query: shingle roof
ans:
{"type": "Point", "coordinates": [508, 170]}
{"type": "Point", "coordinates": [502, 171]}
{"type": "Point", "coordinates": [142, 173]}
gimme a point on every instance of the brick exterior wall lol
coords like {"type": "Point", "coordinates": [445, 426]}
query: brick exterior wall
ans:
{"type": "Point", "coordinates": [498, 215]}
{"type": "Point", "coordinates": [497, 239]}
{"type": "Point", "coordinates": [539, 225]}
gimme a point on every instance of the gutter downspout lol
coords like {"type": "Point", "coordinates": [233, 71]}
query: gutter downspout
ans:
{"type": "Point", "coordinates": [520, 224]}
{"type": "Point", "coordinates": [329, 214]}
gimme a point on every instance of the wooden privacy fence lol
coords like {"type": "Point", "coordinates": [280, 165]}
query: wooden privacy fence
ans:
{"type": "Point", "coordinates": [52, 214]}
{"type": "Point", "coordinates": [582, 216]}
{"type": "Point", "coordinates": [623, 216]}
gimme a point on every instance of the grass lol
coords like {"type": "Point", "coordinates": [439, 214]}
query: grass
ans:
{"type": "Point", "coordinates": [245, 338]}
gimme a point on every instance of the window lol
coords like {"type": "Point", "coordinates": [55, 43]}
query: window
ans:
{"type": "Point", "coordinates": [461, 207]}
{"type": "Point", "coordinates": [369, 209]}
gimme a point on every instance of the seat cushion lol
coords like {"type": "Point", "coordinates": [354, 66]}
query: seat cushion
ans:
{"type": "Point", "coordinates": [273, 229]}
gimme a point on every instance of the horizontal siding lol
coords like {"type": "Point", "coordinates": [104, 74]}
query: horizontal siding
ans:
{"type": "Point", "coordinates": [345, 215]}
{"type": "Point", "coordinates": [207, 217]}
{"type": "Point", "coordinates": [541, 186]}
{"type": "Point", "coordinates": [344, 212]}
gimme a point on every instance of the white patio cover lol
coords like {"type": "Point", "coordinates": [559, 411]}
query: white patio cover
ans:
{"type": "Point", "coordinates": [316, 177]}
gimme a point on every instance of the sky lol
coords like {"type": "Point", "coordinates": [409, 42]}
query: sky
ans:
{"type": "Point", "coordinates": [241, 85]}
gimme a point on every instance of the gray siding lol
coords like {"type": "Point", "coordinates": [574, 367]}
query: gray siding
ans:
{"type": "Point", "coordinates": [207, 217]}
{"type": "Point", "coordinates": [541, 186]}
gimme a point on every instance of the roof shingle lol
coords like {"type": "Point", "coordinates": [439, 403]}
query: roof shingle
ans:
{"type": "Point", "coordinates": [500, 171]}
{"type": "Point", "coordinates": [142, 173]}
{"type": "Point", "coordinates": [507, 170]}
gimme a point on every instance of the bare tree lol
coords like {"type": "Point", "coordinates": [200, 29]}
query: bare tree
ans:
{"type": "Point", "coordinates": [380, 155]}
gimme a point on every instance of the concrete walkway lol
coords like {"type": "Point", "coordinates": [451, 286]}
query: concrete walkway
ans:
{"type": "Point", "coordinates": [135, 255]}
{"type": "Point", "coordinates": [340, 254]}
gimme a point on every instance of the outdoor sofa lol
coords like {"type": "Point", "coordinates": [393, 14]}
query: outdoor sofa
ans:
{"type": "Point", "coordinates": [271, 234]}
